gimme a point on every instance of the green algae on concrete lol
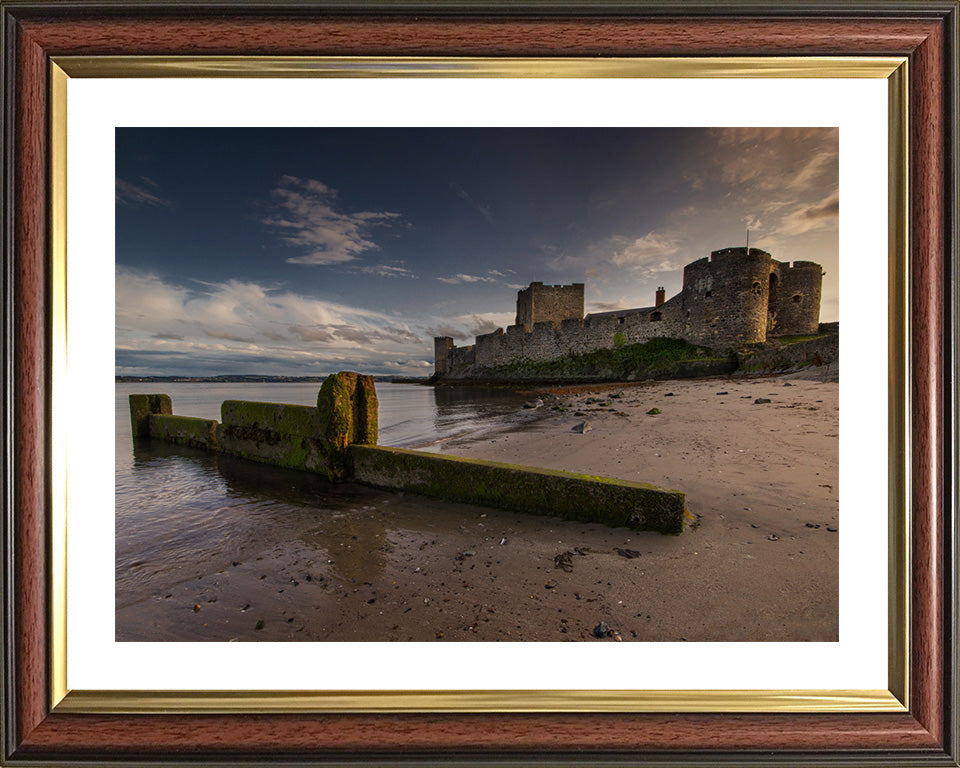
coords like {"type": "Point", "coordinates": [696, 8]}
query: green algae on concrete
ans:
{"type": "Point", "coordinates": [567, 495]}
{"type": "Point", "coordinates": [275, 433]}
{"type": "Point", "coordinates": [276, 417]}
{"type": "Point", "coordinates": [338, 439]}
{"type": "Point", "coordinates": [308, 454]}
{"type": "Point", "coordinates": [347, 407]}
{"type": "Point", "coordinates": [184, 430]}
{"type": "Point", "coordinates": [141, 406]}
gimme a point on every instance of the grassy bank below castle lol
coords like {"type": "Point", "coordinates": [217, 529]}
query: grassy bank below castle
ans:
{"type": "Point", "coordinates": [659, 358]}
{"type": "Point", "coordinates": [654, 359]}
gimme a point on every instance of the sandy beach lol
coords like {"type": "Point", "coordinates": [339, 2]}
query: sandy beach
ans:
{"type": "Point", "coordinates": [758, 562]}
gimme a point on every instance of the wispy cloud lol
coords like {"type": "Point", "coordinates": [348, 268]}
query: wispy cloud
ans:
{"type": "Point", "coordinates": [462, 278]}
{"type": "Point", "coordinates": [747, 161]}
{"type": "Point", "coordinates": [483, 210]}
{"type": "Point", "coordinates": [386, 270]}
{"type": "Point", "coordinates": [651, 252]}
{"type": "Point", "coordinates": [464, 327]}
{"type": "Point", "coordinates": [307, 219]}
{"type": "Point", "coordinates": [628, 257]}
{"type": "Point", "coordinates": [807, 217]}
{"type": "Point", "coordinates": [144, 192]}
{"type": "Point", "coordinates": [245, 326]}
{"type": "Point", "coordinates": [609, 306]}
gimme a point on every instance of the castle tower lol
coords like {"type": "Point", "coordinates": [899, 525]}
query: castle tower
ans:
{"type": "Point", "coordinates": [539, 303]}
{"type": "Point", "coordinates": [442, 346]}
{"type": "Point", "coordinates": [795, 305]}
{"type": "Point", "coordinates": [725, 298]}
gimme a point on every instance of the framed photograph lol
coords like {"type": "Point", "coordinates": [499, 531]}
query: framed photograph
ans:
{"type": "Point", "coordinates": [382, 165]}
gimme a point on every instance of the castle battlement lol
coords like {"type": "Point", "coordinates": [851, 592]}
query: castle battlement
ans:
{"type": "Point", "coordinates": [734, 296]}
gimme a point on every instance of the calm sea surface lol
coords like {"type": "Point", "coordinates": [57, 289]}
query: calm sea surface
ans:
{"type": "Point", "coordinates": [178, 509]}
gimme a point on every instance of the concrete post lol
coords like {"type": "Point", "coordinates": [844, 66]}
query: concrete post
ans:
{"type": "Point", "coordinates": [347, 409]}
{"type": "Point", "coordinates": [141, 406]}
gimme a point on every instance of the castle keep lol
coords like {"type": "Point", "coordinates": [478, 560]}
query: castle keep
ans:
{"type": "Point", "coordinates": [736, 296]}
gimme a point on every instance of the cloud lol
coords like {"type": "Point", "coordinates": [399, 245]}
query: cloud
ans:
{"type": "Point", "coordinates": [750, 163]}
{"type": "Point", "coordinates": [651, 249]}
{"type": "Point", "coordinates": [464, 195]}
{"type": "Point", "coordinates": [307, 219]}
{"type": "Point", "coordinates": [245, 327]}
{"type": "Point", "coordinates": [400, 335]}
{"type": "Point", "coordinates": [609, 306]}
{"type": "Point", "coordinates": [448, 330]}
{"type": "Point", "coordinates": [819, 165]}
{"type": "Point", "coordinates": [807, 217]}
{"type": "Point", "coordinates": [386, 270]}
{"type": "Point", "coordinates": [310, 334]}
{"type": "Point", "coordinates": [144, 193]}
{"type": "Point", "coordinates": [461, 278]}
{"type": "Point", "coordinates": [477, 324]}
{"type": "Point", "coordinates": [406, 364]}
{"type": "Point", "coordinates": [828, 208]}
{"type": "Point", "coordinates": [492, 276]}
{"type": "Point", "coordinates": [627, 257]}
{"type": "Point", "coordinates": [215, 334]}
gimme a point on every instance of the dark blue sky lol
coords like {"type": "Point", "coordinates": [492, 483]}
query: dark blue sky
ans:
{"type": "Point", "coordinates": [304, 251]}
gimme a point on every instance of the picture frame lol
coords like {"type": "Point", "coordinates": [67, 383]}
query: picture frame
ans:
{"type": "Point", "coordinates": [40, 726]}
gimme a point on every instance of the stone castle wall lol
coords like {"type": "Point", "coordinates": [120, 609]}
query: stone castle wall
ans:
{"type": "Point", "coordinates": [795, 311]}
{"type": "Point", "coordinates": [549, 303]}
{"type": "Point", "coordinates": [736, 296]}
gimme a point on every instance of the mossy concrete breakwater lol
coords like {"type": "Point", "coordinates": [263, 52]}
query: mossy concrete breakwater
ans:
{"type": "Point", "coordinates": [338, 439]}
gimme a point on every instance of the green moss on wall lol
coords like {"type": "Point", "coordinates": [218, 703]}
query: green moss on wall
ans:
{"type": "Point", "coordinates": [347, 408]}
{"type": "Point", "coordinates": [308, 454]}
{"type": "Point", "coordinates": [279, 417]}
{"type": "Point", "coordinates": [566, 495]}
{"type": "Point", "coordinates": [141, 406]}
{"type": "Point", "coordinates": [335, 408]}
{"type": "Point", "coordinates": [184, 430]}
{"type": "Point", "coordinates": [293, 436]}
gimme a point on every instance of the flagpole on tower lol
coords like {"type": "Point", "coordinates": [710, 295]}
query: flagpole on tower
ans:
{"type": "Point", "coordinates": [748, 242]}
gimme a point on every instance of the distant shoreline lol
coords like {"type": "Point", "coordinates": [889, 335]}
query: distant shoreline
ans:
{"type": "Point", "coordinates": [256, 379]}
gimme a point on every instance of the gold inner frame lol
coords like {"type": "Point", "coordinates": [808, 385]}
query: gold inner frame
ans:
{"type": "Point", "coordinates": [893, 69]}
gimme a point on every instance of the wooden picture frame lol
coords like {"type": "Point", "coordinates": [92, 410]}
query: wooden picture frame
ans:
{"type": "Point", "coordinates": [35, 33]}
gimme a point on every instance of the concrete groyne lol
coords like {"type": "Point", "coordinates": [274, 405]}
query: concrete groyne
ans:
{"type": "Point", "coordinates": [338, 439]}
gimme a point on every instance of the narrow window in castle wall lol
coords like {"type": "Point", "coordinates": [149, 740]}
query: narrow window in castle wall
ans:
{"type": "Point", "coordinates": [797, 298]}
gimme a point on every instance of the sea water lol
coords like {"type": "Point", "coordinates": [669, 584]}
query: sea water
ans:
{"type": "Point", "coordinates": [180, 510]}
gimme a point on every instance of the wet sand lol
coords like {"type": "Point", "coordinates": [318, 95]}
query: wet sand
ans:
{"type": "Point", "coordinates": [759, 561]}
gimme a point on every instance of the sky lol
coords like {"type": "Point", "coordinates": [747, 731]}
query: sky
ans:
{"type": "Point", "coordinates": [301, 252]}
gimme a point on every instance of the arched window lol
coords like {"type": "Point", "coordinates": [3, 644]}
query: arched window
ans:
{"type": "Point", "coordinates": [756, 288]}
{"type": "Point", "coordinates": [797, 298]}
{"type": "Point", "coordinates": [656, 317]}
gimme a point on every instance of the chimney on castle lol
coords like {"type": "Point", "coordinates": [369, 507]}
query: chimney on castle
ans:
{"type": "Point", "coordinates": [661, 296]}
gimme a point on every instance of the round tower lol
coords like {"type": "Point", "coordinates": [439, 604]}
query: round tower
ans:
{"type": "Point", "coordinates": [795, 308]}
{"type": "Point", "coordinates": [725, 297]}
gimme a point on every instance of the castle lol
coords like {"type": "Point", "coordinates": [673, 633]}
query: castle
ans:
{"type": "Point", "coordinates": [736, 296]}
